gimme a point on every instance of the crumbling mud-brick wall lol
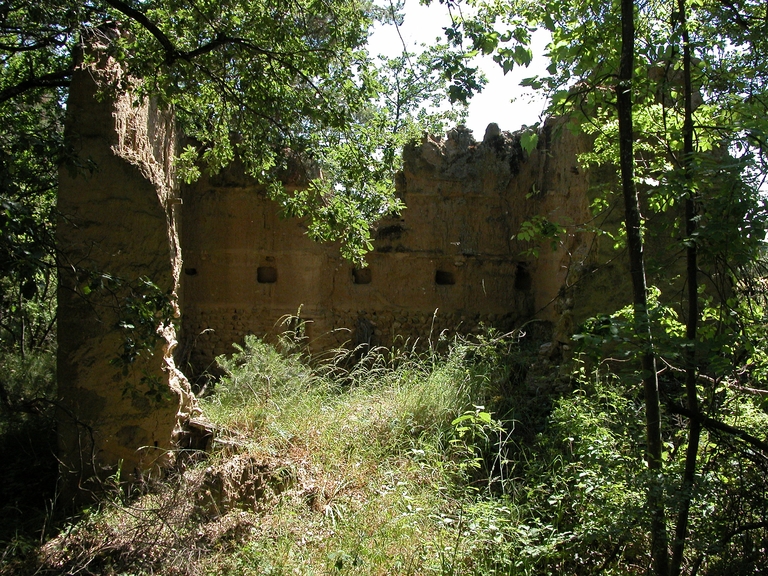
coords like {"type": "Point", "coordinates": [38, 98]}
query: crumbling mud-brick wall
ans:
{"type": "Point", "coordinates": [230, 266]}
{"type": "Point", "coordinates": [450, 262]}
{"type": "Point", "coordinates": [116, 225]}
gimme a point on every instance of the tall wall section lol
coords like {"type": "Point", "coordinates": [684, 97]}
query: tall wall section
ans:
{"type": "Point", "coordinates": [450, 262]}
{"type": "Point", "coordinates": [117, 224]}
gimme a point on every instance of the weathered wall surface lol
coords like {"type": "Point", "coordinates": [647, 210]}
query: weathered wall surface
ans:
{"type": "Point", "coordinates": [116, 223]}
{"type": "Point", "coordinates": [450, 262]}
{"type": "Point", "coordinates": [233, 267]}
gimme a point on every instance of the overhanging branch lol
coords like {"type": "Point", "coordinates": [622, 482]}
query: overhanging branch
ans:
{"type": "Point", "coordinates": [170, 50]}
{"type": "Point", "coordinates": [51, 80]}
{"type": "Point", "coordinates": [172, 53]}
{"type": "Point", "coordinates": [713, 424]}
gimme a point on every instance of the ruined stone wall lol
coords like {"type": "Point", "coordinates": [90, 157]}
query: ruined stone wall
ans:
{"type": "Point", "coordinates": [448, 263]}
{"type": "Point", "coordinates": [117, 223]}
{"type": "Point", "coordinates": [231, 266]}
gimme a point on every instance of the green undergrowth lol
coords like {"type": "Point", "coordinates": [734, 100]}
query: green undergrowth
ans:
{"type": "Point", "coordinates": [483, 460]}
{"type": "Point", "coordinates": [389, 457]}
{"type": "Point", "coordinates": [28, 465]}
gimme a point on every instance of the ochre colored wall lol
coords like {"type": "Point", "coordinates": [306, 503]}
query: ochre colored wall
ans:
{"type": "Point", "coordinates": [465, 202]}
{"type": "Point", "coordinates": [231, 266]}
{"type": "Point", "coordinates": [116, 224]}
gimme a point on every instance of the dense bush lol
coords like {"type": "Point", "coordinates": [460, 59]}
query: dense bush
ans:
{"type": "Point", "coordinates": [27, 446]}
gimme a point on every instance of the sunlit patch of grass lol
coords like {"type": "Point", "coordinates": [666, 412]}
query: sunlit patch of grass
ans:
{"type": "Point", "coordinates": [335, 467]}
{"type": "Point", "coordinates": [372, 485]}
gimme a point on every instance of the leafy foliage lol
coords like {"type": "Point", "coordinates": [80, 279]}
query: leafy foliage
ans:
{"type": "Point", "coordinates": [31, 149]}
{"type": "Point", "coordinates": [272, 84]}
{"type": "Point", "coordinates": [675, 101]}
{"type": "Point", "coordinates": [394, 467]}
{"type": "Point", "coordinates": [359, 164]}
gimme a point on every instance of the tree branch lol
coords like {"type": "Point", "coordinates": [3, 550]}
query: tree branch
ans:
{"type": "Point", "coordinates": [741, 529]}
{"type": "Point", "coordinates": [19, 48]}
{"type": "Point", "coordinates": [220, 40]}
{"type": "Point", "coordinates": [53, 79]}
{"type": "Point", "coordinates": [748, 390]}
{"type": "Point", "coordinates": [740, 20]}
{"type": "Point", "coordinates": [171, 52]}
{"type": "Point", "coordinates": [713, 424]}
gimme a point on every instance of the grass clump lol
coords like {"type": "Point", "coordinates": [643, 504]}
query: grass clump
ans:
{"type": "Point", "coordinates": [413, 463]}
{"type": "Point", "coordinates": [348, 468]}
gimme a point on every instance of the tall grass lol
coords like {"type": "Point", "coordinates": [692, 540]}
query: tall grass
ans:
{"type": "Point", "coordinates": [317, 468]}
{"type": "Point", "coordinates": [401, 463]}
{"type": "Point", "coordinates": [381, 464]}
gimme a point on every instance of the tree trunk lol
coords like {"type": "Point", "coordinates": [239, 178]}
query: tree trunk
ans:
{"type": "Point", "coordinates": [694, 431]}
{"type": "Point", "coordinates": [632, 222]}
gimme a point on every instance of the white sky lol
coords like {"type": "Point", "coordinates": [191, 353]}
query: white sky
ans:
{"type": "Point", "coordinates": [503, 100]}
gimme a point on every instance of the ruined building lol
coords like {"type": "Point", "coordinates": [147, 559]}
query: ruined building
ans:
{"type": "Point", "coordinates": [449, 262]}
{"type": "Point", "coordinates": [233, 266]}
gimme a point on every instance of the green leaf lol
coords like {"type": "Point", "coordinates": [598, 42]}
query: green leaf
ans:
{"type": "Point", "coordinates": [528, 141]}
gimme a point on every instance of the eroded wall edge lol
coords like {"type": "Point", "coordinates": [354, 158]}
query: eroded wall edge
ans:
{"type": "Point", "coordinates": [117, 225]}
